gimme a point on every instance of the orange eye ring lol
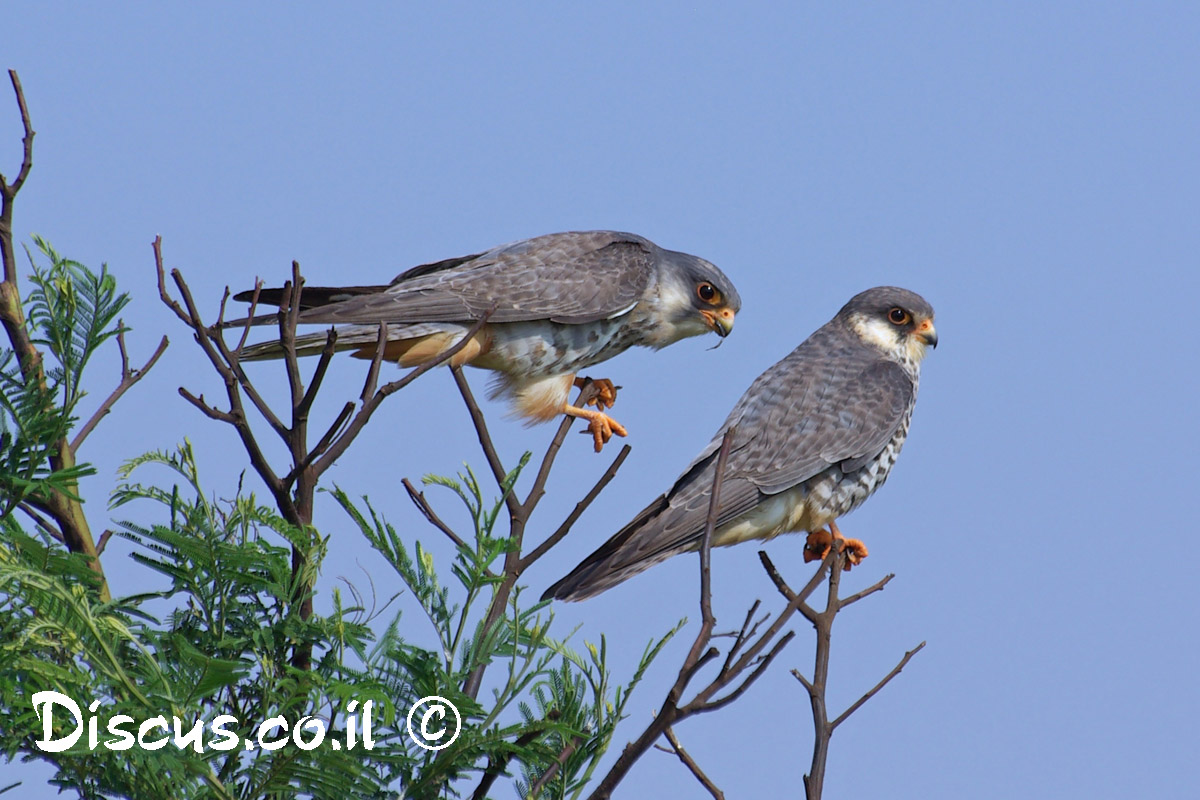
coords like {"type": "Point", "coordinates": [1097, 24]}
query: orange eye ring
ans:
{"type": "Point", "coordinates": [898, 316]}
{"type": "Point", "coordinates": [707, 292]}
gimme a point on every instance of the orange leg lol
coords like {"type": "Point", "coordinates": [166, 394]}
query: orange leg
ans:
{"type": "Point", "coordinates": [819, 542]}
{"type": "Point", "coordinates": [606, 392]}
{"type": "Point", "coordinates": [601, 425]}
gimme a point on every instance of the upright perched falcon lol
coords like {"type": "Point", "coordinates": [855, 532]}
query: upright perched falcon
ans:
{"type": "Point", "coordinates": [814, 436]}
{"type": "Point", "coordinates": [563, 302]}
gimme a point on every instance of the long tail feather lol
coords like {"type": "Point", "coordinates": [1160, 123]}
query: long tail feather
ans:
{"type": "Point", "coordinates": [614, 561]}
{"type": "Point", "coordinates": [350, 337]}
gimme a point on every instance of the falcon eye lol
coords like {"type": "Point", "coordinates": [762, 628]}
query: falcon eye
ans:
{"type": "Point", "coordinates": [706, 292]}
{"type": "Point", "coordinates": [898, 316]}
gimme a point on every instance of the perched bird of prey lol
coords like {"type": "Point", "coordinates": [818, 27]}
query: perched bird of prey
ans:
{"type": "Point", "coordinates": [814, 436]}
{"type": "Point", "coordinates": [563, 302]}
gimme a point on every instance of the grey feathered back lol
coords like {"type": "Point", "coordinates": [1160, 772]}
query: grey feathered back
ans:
{"type": "Point", "coordinates": [834, 401]}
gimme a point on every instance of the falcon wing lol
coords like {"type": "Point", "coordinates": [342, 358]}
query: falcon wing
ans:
{"type": "Point", "coordinates": [849, 408]}
{"type": "Point", "coordinates": [564, 277]}
{"type": "Point", "coordinates": [847, 422]}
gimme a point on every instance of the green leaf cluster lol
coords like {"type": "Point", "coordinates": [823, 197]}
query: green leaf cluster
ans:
{"type": "Point", "coordinates": [71, 312]}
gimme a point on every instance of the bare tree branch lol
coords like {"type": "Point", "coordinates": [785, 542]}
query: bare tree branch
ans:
{"type": "Point", "coordinates": [822, 621]}
{"type": "Point", "coordinates": [784, 589]}
{"type": "Point", "coordinates": [205, 408]}
{"type": "Point", "coordinates": [294, 491]}
{"type": "Point", "coordinates": [289, 320]}
{"type": "Point", "coordinates": [318, 376]}
{"type": "Point", "coordinates": [707, 620]}
{"type": "Point", "coordinates": [870, 590]}
{"type": "Point", "coordinates": [336, 428]}
{"type": "Point", "coordinates": [41, 521]}
{"type": "Point", "coordinates": [371, 382]}
{"type": "Point", "coordinates": [485, 441]}
{"type": "Point", "coordinates": [798, 675]}
{"type": "Point", "coordinates": [760, 666]}
{"type": "Point", "coordinates": [691, 764]}
{"type": "Point", "coordinates": [249, 322]}
{"type": "Point", "coordinates": [9, 191]}
{"type": "Point", "coordinates": [376, 397]}
{"type": "Point", "coordinates": [128, 379]}
{"type": "Point", "coordinates": [577, 512]}
{"type": "Point", "coordinates": [519, 512]}
{"type": "Point", "coordinates": [418, 499]}
{"type": "Point", "coordinates": [814, 781]}
{"type": "Point", "coordinates": [875, 689]}
{"type": "Point", "coordinates": [739, 673]}
{"type": "Point", "coordinates": [747, 631]}
{"type": "Point", "coordinates": [536, 789]}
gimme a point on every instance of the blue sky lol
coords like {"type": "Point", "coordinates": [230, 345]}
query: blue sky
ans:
{"type": "Point", "coordinates": [1032, 169]}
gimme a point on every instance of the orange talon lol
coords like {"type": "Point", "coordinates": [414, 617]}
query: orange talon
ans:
{"type": "Point", "coordinates": [600, 425]}
{"type": "Point", "coordinates": [817, 545]}
{"type": "Point", "coordinates": [606, 392]}
{"type": "Point", "coordinates": [819, 541]}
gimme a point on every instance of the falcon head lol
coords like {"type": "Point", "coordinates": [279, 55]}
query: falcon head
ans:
{"type": "Point", "coordinates": [693, 298]}
{"type": "Point", "coordinates": [895, 321]}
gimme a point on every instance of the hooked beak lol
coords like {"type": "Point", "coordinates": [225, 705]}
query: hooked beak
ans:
{"type": "Point", "coordinates": [928, 333]}
{"type": "Point", "coordinates": [721, 321]}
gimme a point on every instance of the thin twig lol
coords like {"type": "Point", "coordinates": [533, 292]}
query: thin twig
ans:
{"type": "Point", "coordinates": [520, 512]}
{"type": "Point", "coordinates": [11, 189]}
{"type": "Point", "coordinates": [418, 499]}
{"type": "Point", "coordinates": [760, 666]}
{"type": "Point", "coordinates": [816, 687]}
{"type": "Point", "coordinates": [691, 764]}
{"type": "Point", "coordinates": [518, 516]}
{"type": "Point", "coordinates": [814, 781]}
{"type": "Point", "coordinates": [870, 590]}
{"type": "Point", "coordinates": [753, 659]}
{"type": "Point", "coordinates": [41, 521]}
{"type": "Point", "coordinates": [376, 397]}
{"type": "Point", "coordinates": [128, 379]}
{"type": "Point", "coordinates": [372, 380]}
{"type": "Point", "coordinates": [797, 601]}
{"type": "Point", "coordinates": [798, 675]}
{"type": "Point", "coordinates": [288, 316]}
{"type": "Point", "coordinates": [224, 363]}
{"type": "Point", "coordinates": [707, 620]}
{"type": "Point", "coordinates": [232, 367]}
{"type": "Point", "coordinates": [784, 589]}
{"type": "Point", "coordinates": [249, 318]}
{"type": "Point", "coordinates": [294, 492]}
{"type": "Point", "coordinates": [710, 525]}
{"type": "Point", "coordinates": [744, 633]}
{"type": "Point", "coordinates": [485, 441]}
{"type": "Point", "coordinates": [210, 411]}
{"type": "Point", "coordinates": [875, 689]}
{"type": "Point", "coordinates": [336, 428]}
{"type": "Point", "coordinates": [699, 655]}
{"type": "Point", "coordinates": [535, 791]}
{"type": "Point", "coordinates": [577, 512]}
{"type": "Point", "coordinates": [318, 376]}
